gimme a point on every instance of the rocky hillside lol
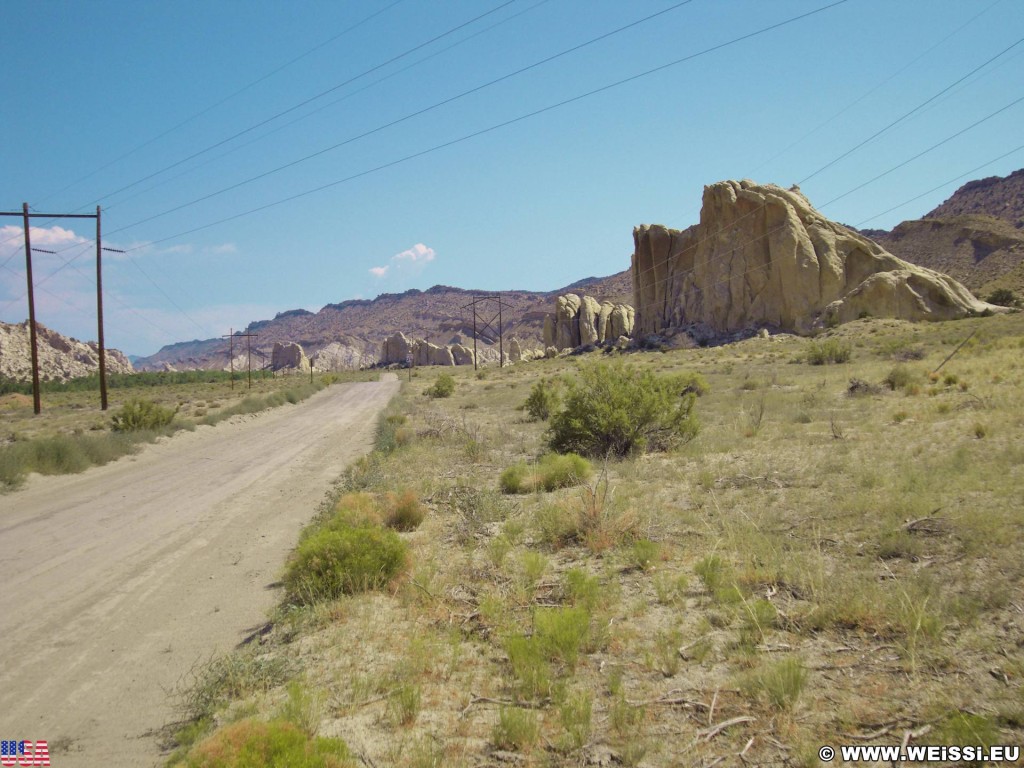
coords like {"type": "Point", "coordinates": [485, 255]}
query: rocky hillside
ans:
{"type": "Point", "coordinates": [976, 236]}
{"type": "Point", "coordinates": [60, 358]}
{"type": "Point", "coordinates": [351, 333]}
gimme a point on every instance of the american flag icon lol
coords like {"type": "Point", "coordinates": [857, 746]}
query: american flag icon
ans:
{"type": "Point", "coordinates": [24, 753]}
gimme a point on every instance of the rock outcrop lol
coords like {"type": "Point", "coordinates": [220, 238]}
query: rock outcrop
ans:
{"type": "Point", "coordinates": [579, 321]}
{"type": "Point", "coordinates": [288, 355]}
{"type": "Point", "coordinates": [399, 349]}
{"type": "Point", "coordinates": [338, 356]}
{"type": "Point", "coordinates": [60, 358]}
{"type": "Point", "coordinates": [762, 255]}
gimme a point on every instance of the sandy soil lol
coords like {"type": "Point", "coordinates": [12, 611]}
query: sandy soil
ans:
{"type": "Point", "coordinates": [118, 581]}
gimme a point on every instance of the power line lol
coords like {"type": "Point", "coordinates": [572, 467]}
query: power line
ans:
{"type": "Point", "coordinates": [409, 116]}
{"type": "Point", "coordinates": [507, 123]}
{"type": "Point", "coordinates": [861, 98]}
{"type": "Point", "coordinates": [943, 184]}
{"type": "Point", "coordinates": [925, 152]}
{"type": "Point", "coordinates": [332, 103]}
{"type": "Point", "coordinates": [228, 98]}
{"type": "Point", "coordinates": [309, 100]}
{"type": "Point", "coordinates": [900, 119]}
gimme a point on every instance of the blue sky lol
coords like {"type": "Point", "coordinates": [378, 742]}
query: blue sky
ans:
{"type": "Point", "coordinates": [145, 107]}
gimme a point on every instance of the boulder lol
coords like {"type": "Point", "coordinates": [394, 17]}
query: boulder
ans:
{"type": "Point", "coordinates": [567, 326]}
{"type": "Point", "coordinates": [426, 353]}
{"type": "Point", "coordinates": [462, 355]}
{"type": "Point", "coordinates": [515, 351]}
{"type": "Point", "coordinates": [288, 355]}
{"type": "Point", "coordinates": [604, 317]}
{"type": "Point", "coordinates": [590, 311]}
{"type": "Point", "coordinates": [762, 255]}
{"type": "Point", "coordinates": [396, 349]}
{"type": "Point", "coordinates": [620, 321]}
{"type": "Point", "coordinates": [549, 330]}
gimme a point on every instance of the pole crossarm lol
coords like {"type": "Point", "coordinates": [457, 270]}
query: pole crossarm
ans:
{"type": "Point", "coordinates": [25, 216]}
{"type": "Point", "coordinates": [52, 215]}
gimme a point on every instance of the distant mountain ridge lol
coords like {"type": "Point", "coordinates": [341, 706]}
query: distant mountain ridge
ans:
{"type": "Point", "coordinates": [976, 236]}
{"type": "Point", "coordinates": [437, 314]}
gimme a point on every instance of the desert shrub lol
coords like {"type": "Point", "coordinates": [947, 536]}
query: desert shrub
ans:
{"type": "Point", "coordinates": [828, 351]}
{"type": "Point", "coordinates": [274, 744]}
{"type": "Point", "coordinates": [403, 511]}
{"type": "Point", "coordinates": [342, 560]}
{"type": "Point", "coordinates": [594, 519]}
{"type": "Point", "coordinates": [138, 414]}
{"type": "Point", "coordinates": [619, 410]}
{"type": "Point", "coordinates": [516, 479]}
{"type": "Point", "coordinates": [544, 400]}
{"type": "Point", "coordinates": [352, 510]}
{"type": "Point", "coordinates": [900, 377]}
{"type": "Point", "coordinates": [563, 471]}
{"type": "Point", "coordinates": [552, 472]}
{"type": "Point", "coordinates": [516, 729]}
{"type": "Point", "coordinates": [443, 387]}
{"type": "Point", "coordinates": [228, 677]}
{"type": "Point", "coordinates": [561, 633]}
{"type": "Point", "coordinates": [1004, 297]}
{"type": "Point", "coordinates": [780, 683]}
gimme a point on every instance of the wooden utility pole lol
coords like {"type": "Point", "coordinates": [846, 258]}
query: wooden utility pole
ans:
{"type": "Point", "coordinates": [33, 340]}
{"type": "Point", "coordinates": [37, 404]}
{"type": "Point", "coordinates": [248, 352]}
{"type": "Point", "coordinates": [488, 325]}
{"type": "Point", "coordinates": [99, 315]}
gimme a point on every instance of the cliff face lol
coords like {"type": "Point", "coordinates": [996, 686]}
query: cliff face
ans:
{"type": "Point", "coordinates": [762, 255]}
{"type": "Point", "coordinates": [60, 358]}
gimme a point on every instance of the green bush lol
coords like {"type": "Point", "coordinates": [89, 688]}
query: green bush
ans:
{"type": "Point", "coordinates": [828, 351]}
{"type": "Point", "coordinates": [274, 744]}
{"type": "Point", "coordinates": [544, 400]}
{"type": "Point", "coordinates": [516, 729]}
{"type": "Point", "coordinates": [620, 410]}
{"type": "Point", "coordinates": [552, 472]}
{"type": "Point", "coordinates": [343, 560]}
{"type": "Point", "coordinates": [138, 414]}
{"type": "Point", "coordinates": [403, 511]}
{"type": "Point", "coordinates": [1004, 297]}
{"type": "Point", "coordinates": [516, 479]}
{"type": "Point", "coordinates": [443, 387]}
{"type": "Point", "coordinates": [900, 377]}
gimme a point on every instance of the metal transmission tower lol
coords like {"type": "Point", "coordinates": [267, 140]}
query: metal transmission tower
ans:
{"type": "Point", "coordinates": [488, 325]}
{"type": "Point", "coordinates": [25, 215]}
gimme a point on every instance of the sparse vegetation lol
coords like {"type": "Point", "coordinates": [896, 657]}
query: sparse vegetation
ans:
{"type": "Point", "coordinates": [343, 559]}
{"type": "Point", "coordinates": [551, 472]}
{"type": "Point", "coordinates": [616, 410]}
{"type": "Point", "coordinates": [444, 386]}
{"type": "Point", "coordinates": [828, 351]}
{"type": "Point", "coordinates": [821, 581]}
{"type": "Point", "coordinates": [137, 415]}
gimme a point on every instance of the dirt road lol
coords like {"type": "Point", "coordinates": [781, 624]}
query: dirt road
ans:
{"type": "Point", "coordinates": [116, 582]}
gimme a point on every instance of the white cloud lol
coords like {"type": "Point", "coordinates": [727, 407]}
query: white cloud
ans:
{"type": "Point", "coordinates": [419, 253]}
{"type": "Point", "coordinates": [410, 261]}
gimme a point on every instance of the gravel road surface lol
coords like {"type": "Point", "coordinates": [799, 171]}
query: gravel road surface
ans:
{"type": "Point", "coordinates": [115, 583]}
